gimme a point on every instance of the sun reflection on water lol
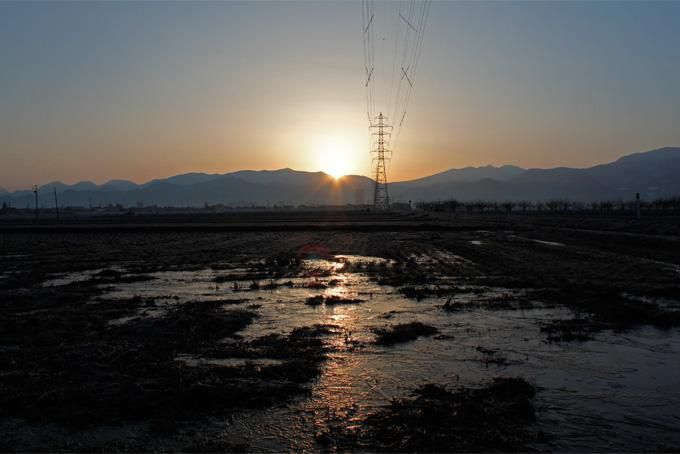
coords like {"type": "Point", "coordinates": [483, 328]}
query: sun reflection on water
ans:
{"type": "Point", "coordinates": [359, 376]}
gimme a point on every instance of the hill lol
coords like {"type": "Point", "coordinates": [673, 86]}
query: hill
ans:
{"type": "Point", "coordinates": [654, 174]}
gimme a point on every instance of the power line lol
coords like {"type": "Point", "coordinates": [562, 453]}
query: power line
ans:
{"type": "Point", "coordinates": [390, 91]}
{"type": "Point", "coordinates": [413, 67]}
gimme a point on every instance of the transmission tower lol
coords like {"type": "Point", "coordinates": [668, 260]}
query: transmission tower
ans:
{"type": "Point", "coordinates": [381, 198]}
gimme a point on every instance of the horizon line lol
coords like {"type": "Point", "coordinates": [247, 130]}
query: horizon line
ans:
{"type": "Point", "coordinates": [11, 189]}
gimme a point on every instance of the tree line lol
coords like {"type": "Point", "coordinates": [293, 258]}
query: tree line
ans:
{"type": "Point", "coordinates": [669, 205]}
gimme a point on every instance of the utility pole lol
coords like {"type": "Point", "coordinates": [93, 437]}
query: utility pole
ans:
{"type": "Point", "coordinates": [381, 198]}
{"type": "Point", "coordinates": [56, 202]}
{"type": "Point", "coordinates": [35, 190]}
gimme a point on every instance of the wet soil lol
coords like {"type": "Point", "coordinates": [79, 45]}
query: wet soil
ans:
{"type": "Point", "coordinates": [496, 417]}
{"type": "Point", "coordinates": [360, 340]}
{"type": "Point", "coordinates": [403, 332]}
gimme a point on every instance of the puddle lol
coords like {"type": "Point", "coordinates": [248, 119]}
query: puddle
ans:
{"type": "Point", "coordinates": [613, 393]}
{"type": "Point", "coordinates": [667, 265]}
{"type": "Point", "coordinates": [153, 312]}
{"type": "Point", "coordinates": [663, 303]}
{"type": "Point", "coordinates": [6, 275]}
{"type": "Point", "coordinates": [192, 361]}
{"type": "Point", "coordinates": [439, 257]}
{"type": "Point", "coordinates": [548, 243]}
{"type": "Point", "coordinates": [59, 280]}
{"type": "Point", "coordinates": [616, 392]}
{"type": "Point", "coordinates": [353, 259]}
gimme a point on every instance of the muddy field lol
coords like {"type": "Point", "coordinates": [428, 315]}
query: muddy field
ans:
{"type": "Point", "coordinates": [354, 333]}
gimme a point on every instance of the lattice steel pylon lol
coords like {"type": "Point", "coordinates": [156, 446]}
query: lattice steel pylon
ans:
{"type": "Point", "coordinates": [381, 198]}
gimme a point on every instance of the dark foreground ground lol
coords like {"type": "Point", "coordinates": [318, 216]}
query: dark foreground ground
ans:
{"type": "Point", "coordinates": [341, 332]}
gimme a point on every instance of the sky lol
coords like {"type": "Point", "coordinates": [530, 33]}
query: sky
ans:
{"type": "Point", "coordinates": [141, 90]}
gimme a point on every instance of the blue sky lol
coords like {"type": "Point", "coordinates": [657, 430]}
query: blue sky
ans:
{"type": "Point", "coordinates": [141, 90]}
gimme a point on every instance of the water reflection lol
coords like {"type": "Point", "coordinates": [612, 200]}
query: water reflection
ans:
{"type": "Point", "coordinates": [618, 392]}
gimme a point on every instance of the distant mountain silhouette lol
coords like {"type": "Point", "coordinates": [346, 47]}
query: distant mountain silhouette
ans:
{"type": "Point", "coordinates": [185, 179]}
{"type": "Point", "coordinates": [118, 185]}
{"type": "Point", "coordinates": [470, 174]}
{"type": "Point", "coordinates": [282, 176]}
{"type": "Point", "coordinates": [653, 174]}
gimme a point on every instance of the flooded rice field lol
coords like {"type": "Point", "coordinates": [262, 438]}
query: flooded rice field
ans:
{"type": "Point", "coordinates": [353, 341]}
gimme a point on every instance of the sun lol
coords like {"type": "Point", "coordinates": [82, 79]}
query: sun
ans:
{"type": "Point", "coordinates": [334, 158]}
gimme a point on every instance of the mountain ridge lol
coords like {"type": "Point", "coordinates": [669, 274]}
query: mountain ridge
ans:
{"type": "Point", "coordinates": [652, 173]}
